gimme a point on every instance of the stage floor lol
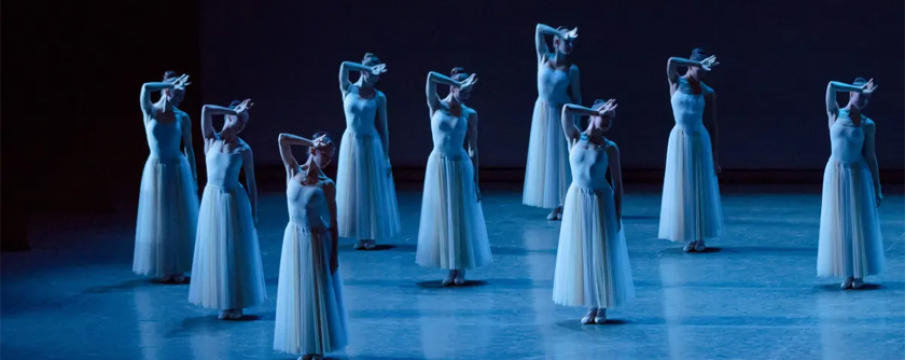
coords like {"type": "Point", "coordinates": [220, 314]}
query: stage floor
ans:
{"type": "Point", "coordinates": [755, 296]}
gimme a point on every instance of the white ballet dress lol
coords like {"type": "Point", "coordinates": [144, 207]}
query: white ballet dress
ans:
{"type": "Point", "coordinates": [227, 271]}
{"type": "Point", "coordinates": [452, 234]}
{"type": "Point", "coordinates": [366, 194]}
{"type": "Point", "coordinates": [167, 205]}
{"type": "Point", "coordinates": [592, 266]}
{"type": "Point", "coordinates": [311, 315]}
{"type": "Point", "coordinates": [691, 209]}
{"type": "Point", "coordinates": [850, 241]}
{"type": "Point", "coordinates": [547, 174]}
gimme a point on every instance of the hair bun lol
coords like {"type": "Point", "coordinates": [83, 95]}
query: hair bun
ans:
{"type": "Point", "coordinates": [169, 74]}
{"type": "Point", "coordinates": [457, 70]}
{"type": "Point", "coordinates": [234, 103]}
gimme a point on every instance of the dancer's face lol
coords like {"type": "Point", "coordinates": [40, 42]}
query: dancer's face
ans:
{"type": "Point", "coordinates": [460, 94]}
{"type": "Point", "coordinates": [563, 46]}
{"type": "Point", "coordinates": [175, 96]}
{"type": "Point", "coordinates": [323, 156]}
{"type": "Point", "coordinates": [603, 122]}
{"type": "Point", "coordinates": [859, 100]}
{"type": "Point", "coordinates": [237, 123]}
{"type": "Point", "coordinates": [697, 73]}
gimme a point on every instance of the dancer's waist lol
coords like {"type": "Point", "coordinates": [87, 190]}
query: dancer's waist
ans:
{"type": "Point", "coordinates": [450, 154]}
{"type": "Point", "coordinates": [308, 227]}
{"type": "Point", "coordinates": [224, 185]}
{"type": "Point", "coordinates": [362, 133]}
{"type": "Point", "coordinates": [848, 163]}
{"type": "Point", "coordinates": [166, 156]}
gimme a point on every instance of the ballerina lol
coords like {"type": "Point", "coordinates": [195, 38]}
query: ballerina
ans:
{"type": "Point", "coordinates": [851, 245]}
{"type": "Point", "coordinates": [311, 314]}
{"type": "Point", "coordinates": [691, 210]}
{"type": "Point", "coordinates": [227, 271]}
{"type": "Point", "coordinates": [168, 201]}
{"type": "Point", "coordinates": [592, 266]}
{"type": "Point", "coordinates": [366, 196]}
{"type": "Point", "coordinates": [452, 233]}
{"type": "Point", "coordinates": [547, 174]}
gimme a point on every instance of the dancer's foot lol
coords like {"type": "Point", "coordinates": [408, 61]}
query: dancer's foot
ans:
{"type": "Point", "coordinates": [555, 214]}
{"type": "Point", "coordinates": [601, 316]}
{"type": "Point", "coordinates": [370, 244]}
{"type": "Point", "coordinates": [224, 314]}
{"type": "Point", "coordinates": [360, 245]}
{"type": "Point", "coordinates": [690, 246]}
{"type": "Point", "coordinates": [311, 357]}
{"type": "Point", "coordinates": [179, 279]}
{"type": "Point", "coordinates": [847, 284]}
{"type": "Point", "coordinates": [236, 314]}
{"type": "Point", "coordinates": [857, 283]}
{"type": "Point", "coordinates": [460, 278]}
{"type": "Point", "coordinates": [699, 246]}
{"type": "Point", "coordinates": [449, 278]}
{"type": "Point", "coordinates": [589, 318]}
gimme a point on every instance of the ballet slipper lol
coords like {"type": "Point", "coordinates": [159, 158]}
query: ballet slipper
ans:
{"type": "Point", "coordinates": [460, 278]}
{"type": "Point", "coordinates": [857, 283]}
{"type": "Point", "coordinates": [235, 314]}
{"type": "Point", "coordinates": [601, 316]}
{"type": "Point", "coordinates": [224, 314]}
{"type": "Point", "coordinates": [847, 283]}
{"type": "Point", "coordinates": [359, 245]}
{"type": "Point", "coordinates": [690, 246]}
{"type": "Point", "coordinates": [699, 246]}
{"type": "Point", "coordinates": [589, 318]}
{"type": "Point", "coordinates": [370, 244]}
{"type": "Point", "coordinates": [449, 278]}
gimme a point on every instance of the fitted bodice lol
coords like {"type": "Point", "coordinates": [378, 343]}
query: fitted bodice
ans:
{"type": "Point", "coordinates": [223, 167]}
{"type": "Point", "coordinates": [846, 139]}
{"type": "Point", "coordinates": [552, 85]}
{"type": "Point", "coordinates": [361, 113]}
{"type": "Point", "coordinates": [688, 109]}
{"type": "Point", "coordinates": [307, 205]}
{"type": "Point", "coordinates": [589, 164]}
{"type": "Point", "coordinates": [164, 139]}
{"type": "Point", "coordinates": [449, 132]}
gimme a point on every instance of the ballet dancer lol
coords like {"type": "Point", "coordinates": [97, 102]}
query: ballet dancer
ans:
{"type": "Point", "coordinates": [227, 272]}
{"type": "Point", "coordinates": [452, 233]}
{"type": "Point", "coordinates": [366, 196]}
{"type": "Point", "coordinates": [592, 266]}
{"type": "Point", "coordinates": [168, 200]}
{"type": "Point", "coordinates": [311, 315]}
{"type": "Point", "coordinates": [851, 246]}
{"type": "Point", "coordinates": [691, 210]}
{"type": "Point", "coordinates": [547, 174]}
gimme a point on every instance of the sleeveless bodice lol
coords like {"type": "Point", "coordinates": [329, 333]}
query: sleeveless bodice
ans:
{"type": "Point", "coordinates": [552, 85]}
{"type": "Point", "coordinates": [846, 139]}
{"type": "Point", "coordinates": [164, 139]}
{"type": "Point", "coordinates": [688, 109]}
{"type": "Point", "coordinates": [449, 132]}
{"type": "Point", "coordinates": [361, 114]}
{"type": "Point", "coordinates": [223, 167]}
{"type": "Point", "coordinates": [589, 164]}
{"type": "Point", "coordinates": [307, 205]}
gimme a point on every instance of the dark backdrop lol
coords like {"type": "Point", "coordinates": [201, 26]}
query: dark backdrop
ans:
{"type": "Point", "coordinates": [776, 58]}
{"type": "Point", "coordinates": [72, 137]}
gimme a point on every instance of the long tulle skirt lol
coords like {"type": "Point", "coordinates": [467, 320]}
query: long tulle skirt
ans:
{"type": "Point", "coordinates": [547, 173]}
{"type": "Point", "coordinates": [850, 239]}
{"type": "Point", "coordinates": [690, 208]}
{"type": "Point", "coordinates": [452, 233]}
{"type": "Point", "coordinates": [366, 196]}
{"type": "Point", "coordinates": [227, 271]}
{"type": "Point", "coordinates": [592, 266]}
{"type": "Point", "coordinates": [311, 314]}
{"type": "Point", "coordinates": [167, 218]}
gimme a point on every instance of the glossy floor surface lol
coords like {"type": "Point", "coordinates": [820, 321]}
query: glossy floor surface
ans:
{"type": "Point", "coordinates": [754, 296]}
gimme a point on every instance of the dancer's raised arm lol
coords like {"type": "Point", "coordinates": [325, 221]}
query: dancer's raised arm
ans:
{"type": "Point", "coordinates": [832, 107]}
{"type": "Point", "coordinates": [573, 133]}
{"type": "Point", "coordinates": [434, 78]}
{"type": "Point", "coordinates": [151, 87]}
{"type": "Point", "coordinates": [674, 63]}
{"type": "Point", "coordinates": [348, 66]}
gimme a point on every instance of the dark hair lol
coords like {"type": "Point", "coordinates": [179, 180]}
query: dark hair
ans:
{"type": "Point", "coordinates": [599, 104]}
{"type": "Point", "coordinates": [458, 74]}
{"type": "Point", "coordinates": [370, 60]}
{"type": "Point", "coordinates": [170, 74]}
{"type": "Point", "coordinates": [698, 54]}
{"type": "Point", "coordinates": [234, 104]}
{"type": "Point", "coordinates": [327, 139]}
{"type": "Point", "coordinates": [859, 81]}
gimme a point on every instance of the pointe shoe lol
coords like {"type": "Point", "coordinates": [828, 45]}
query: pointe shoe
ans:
{"type": "Point", "coordinates": [460, 278]}
{"type": "Point", "coordinates": [601, 316]}
{"type": "Point", "coordinates": [699, 246]}
{"type": "Point", "coordinates": [224, 314]}
{"type": "Point", "coordinates": [559, 216]}
{"type": "Point", "coordinates": [235, 314]}
{"type": "Point", "coordinates": [179, 279]}
{"type": "Point", "coordinates": [847, 283]}
{"type": "Point", "coordinates": [449, 278]}
{"type": "Point", "coordinates": [370, 244]}
{"type": "Point", "coordinates": [690, 246]}
{"type": "Point", "coordinates": [589, 318]}
{"type": "Point", "coordinates": [359, 245]}
{"type": "Point", "coordinates": [552, 216]}
{"type": "Point", "coordinates": [857, 283]}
